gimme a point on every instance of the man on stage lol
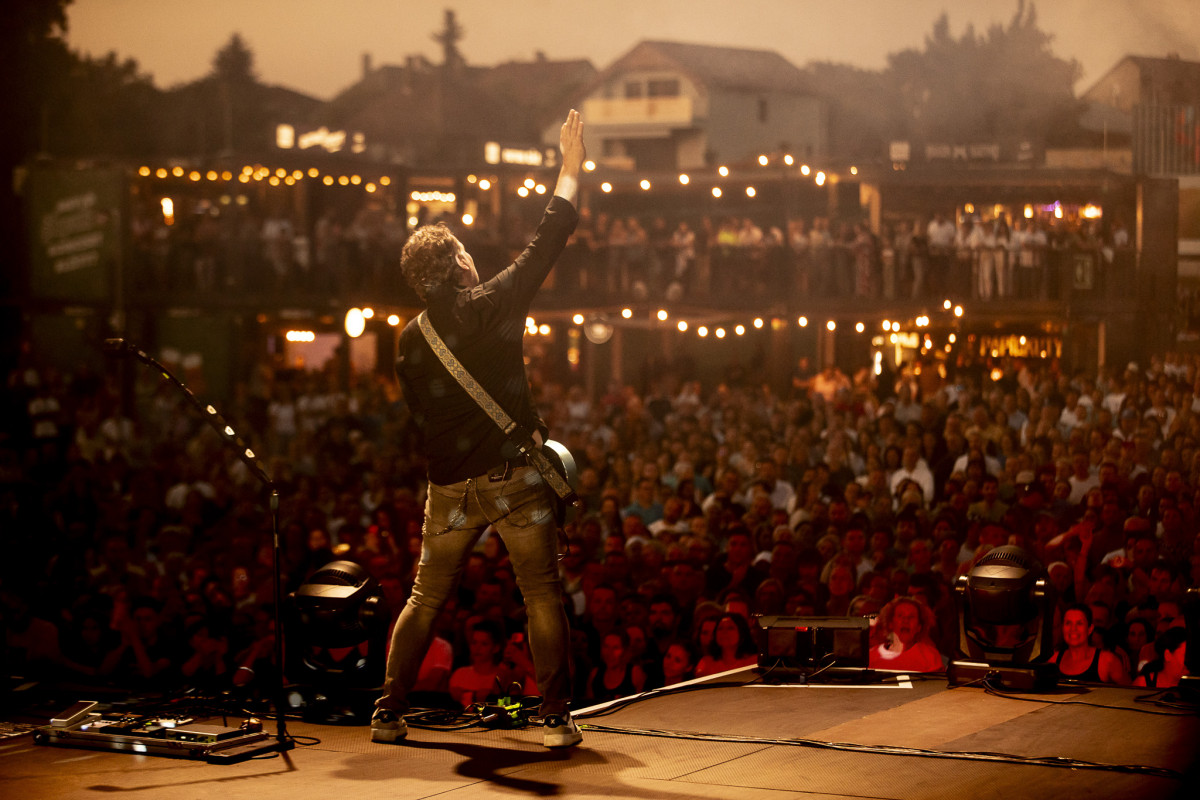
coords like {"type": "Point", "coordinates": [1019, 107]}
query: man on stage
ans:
{"type": "Point", "coordinates": [476, 475]}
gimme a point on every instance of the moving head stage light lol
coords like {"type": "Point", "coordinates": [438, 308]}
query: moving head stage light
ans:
{"type": "Point", "coordinates": [337, 643]}
{"type": "Point", "coordinates": [1005, 623]}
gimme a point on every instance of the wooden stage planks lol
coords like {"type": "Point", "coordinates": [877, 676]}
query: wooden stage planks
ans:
{"type": "Point", "coordinates": [479, 763]}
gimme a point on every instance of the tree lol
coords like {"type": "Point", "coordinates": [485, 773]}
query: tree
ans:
{"type": "Point", "coordinates": [234, 63]}
{"type": "Point", "coordinates": [229, 110]}
{"type": "Point", "coordinates": [863, 114]}
{"type": "Point", "coordinates": [35, 57]}
{"type": "Point", "coordinates": [104, 107]}
{"type": "Point", "coordinates": [1006, 84]}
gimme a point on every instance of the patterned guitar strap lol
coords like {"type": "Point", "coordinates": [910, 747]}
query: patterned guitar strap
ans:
{"type": "Point", "coordinates": [493, 409]}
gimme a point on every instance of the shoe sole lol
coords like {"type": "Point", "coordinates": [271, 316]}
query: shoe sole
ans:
{"type": "Point", "coordinates": [563, 740]}
{"type": "Point", "coordinates": [387, 736]}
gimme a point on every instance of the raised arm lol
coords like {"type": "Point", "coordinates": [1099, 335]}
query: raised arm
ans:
{"type": "Point", "coordinates": [570, 144]}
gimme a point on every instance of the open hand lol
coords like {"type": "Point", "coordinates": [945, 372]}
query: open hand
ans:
{"type": "Point", "coordinates": [570, 142]}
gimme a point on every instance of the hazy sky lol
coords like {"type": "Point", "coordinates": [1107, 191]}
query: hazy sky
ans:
{"type": "Point", "coordinates": [316, 46]}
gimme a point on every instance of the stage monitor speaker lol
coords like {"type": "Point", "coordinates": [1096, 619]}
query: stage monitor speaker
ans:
{"type": "Point", "coordinates": [811, 644]}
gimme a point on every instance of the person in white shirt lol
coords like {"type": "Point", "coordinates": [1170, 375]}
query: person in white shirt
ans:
{"type": "Point", "coordinates": [941, 233]}
{"type": "Point", "coordinates": [1160, 409]}
{"type": "Point", "coordinates": [683, 241]}
{"type": "Point", "coordinates": [1033, 258]}
{"type": "Point", "coordinates": [912, 467]}
{"type": "Point", "coordinates": [1017, 237]}
{"type": "Point", "coordinates": [975, 449]}
{"type": "Point", "coordinates": [672, 523]}
{"type": "Point", "coordinates": [983, 240]}
{"type": "Point", "coordinates": [1081, 478]}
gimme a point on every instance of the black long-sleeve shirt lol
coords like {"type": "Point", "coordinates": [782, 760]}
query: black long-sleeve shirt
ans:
{"type": "Point", "coordinates": [484, 328]}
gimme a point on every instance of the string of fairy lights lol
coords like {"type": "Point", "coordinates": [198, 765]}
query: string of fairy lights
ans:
{"type": "Point", "coordinates": [526, 187]}
{"type": "Point", "coordinates": [912, 334]}
{"type": "Point", "coordinates": [722, 173]}
{"type": "Point", "coordinates": [257, 173]}
{"type": "Point", "coordinates": [718, 182]}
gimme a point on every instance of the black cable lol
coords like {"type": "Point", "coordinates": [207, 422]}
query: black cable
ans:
{"type": "Point", "coordinates": [441, 719]}
{"type": "Point", "coordinates": [662, 691]}
{"type": "Point", "coordinates": [995, 691]}
{"type": "Point", "coordinates": [829, 660]}
{"type": "Point", "coordinates": [1046, 761]}
{"type": "Point", "coordinates": [1049, 761]}
{"type": "Point", "coordinates": [1170, 699]}
{"type": "Point", "coordinates": [303, 741]}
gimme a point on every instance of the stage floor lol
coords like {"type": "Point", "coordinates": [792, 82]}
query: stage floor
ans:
{"type": "Point", "coordinates": [742, 741]}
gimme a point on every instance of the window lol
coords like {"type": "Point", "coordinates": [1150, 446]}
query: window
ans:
{"type": "Point", "coordinates": [663, 87]}
{"type": "Point", "coordinates": [762, 109]}
{"type": "Point", "coordinates": [633, 90]}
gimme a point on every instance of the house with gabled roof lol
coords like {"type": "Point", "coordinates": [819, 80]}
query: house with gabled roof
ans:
{"type": "Point", "coordinates": [1138, 80]}
{"type": "Point", "coordinates": [673, 105]}
{"type": "Point", "coordinates": [1157, 102]}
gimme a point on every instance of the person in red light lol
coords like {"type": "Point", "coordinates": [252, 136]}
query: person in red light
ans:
{"type": "Point", "coordinates": [476, 681]}
{"type": "Point", "coordinates": [841, 590]}
{"type": "Point", "coordinates": [732, 647]}
{"type": "Point", "coordinates": [678, 663]}
{"type": "Point", "coordinates": [1166, 670]}
{"type": "Point", "coordinates": [1079, 660]}
{"type": "Point", "coordinates": [616, 676]}
{"type": "Point", "coordinates": [908, 646]}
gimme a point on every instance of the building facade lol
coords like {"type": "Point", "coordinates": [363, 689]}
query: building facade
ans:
{"type": "Point", "coordinates": [671, 105]}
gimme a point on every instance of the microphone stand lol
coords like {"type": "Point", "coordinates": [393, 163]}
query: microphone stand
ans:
{"type": "Point", "coordinates": [282, 741]}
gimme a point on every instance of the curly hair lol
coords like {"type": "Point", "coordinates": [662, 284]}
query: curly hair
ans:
{"type": "Point", "coordinates": [429, 258]}
{"type": "Point", "coordinates": [928, 619]}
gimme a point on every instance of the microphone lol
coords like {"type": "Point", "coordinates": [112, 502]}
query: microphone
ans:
{"type": "Point", "coordinates": [116, 346]}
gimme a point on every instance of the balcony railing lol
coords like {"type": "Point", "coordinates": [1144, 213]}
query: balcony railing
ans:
{"type": "Point", "coordinates": [641, 111]}
{"type": "Point", "coordinates": [768, 278]}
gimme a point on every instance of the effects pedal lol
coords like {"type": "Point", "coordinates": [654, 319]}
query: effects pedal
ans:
{"type": "Point", "coordinates": [202, 734]}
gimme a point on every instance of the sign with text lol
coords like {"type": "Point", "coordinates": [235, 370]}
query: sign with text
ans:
{"type": "Point", "coordinates": [75, 220]}
{"type": "Point", "coordinates": [287, 138]}
{"type": "Point", "coordinates": [496, 153]}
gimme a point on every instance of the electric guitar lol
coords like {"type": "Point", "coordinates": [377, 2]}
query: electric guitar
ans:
{"type": "Point", "coordinates": [560, 459]}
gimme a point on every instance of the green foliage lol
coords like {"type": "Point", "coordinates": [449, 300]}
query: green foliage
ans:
{"type": "Point", "coordinates": [863, 115]}
{"type": "Point", "coordinates": [106, 107]}
{"type": "Point", "coordinates": [102, 107]}
{"type": "Point", "coordinates": [1004, 84]}
{"type": "Point", "coordinates": [234, 63]}
{"type": "Point", "coordinates": [35, 58]}
{"type": "Point", "coordinates": [33, 52]}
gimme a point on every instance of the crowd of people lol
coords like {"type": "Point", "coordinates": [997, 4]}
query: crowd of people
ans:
{"type": "Point", "coordinates": [138, 547]}
{"type": "Point", "coordinates": [976, 257]}
{"type": "Point", "coordinates": [213, 249]}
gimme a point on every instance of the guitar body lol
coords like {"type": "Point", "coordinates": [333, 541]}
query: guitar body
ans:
{"type": "Point", "coordinates": [560, 458]}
